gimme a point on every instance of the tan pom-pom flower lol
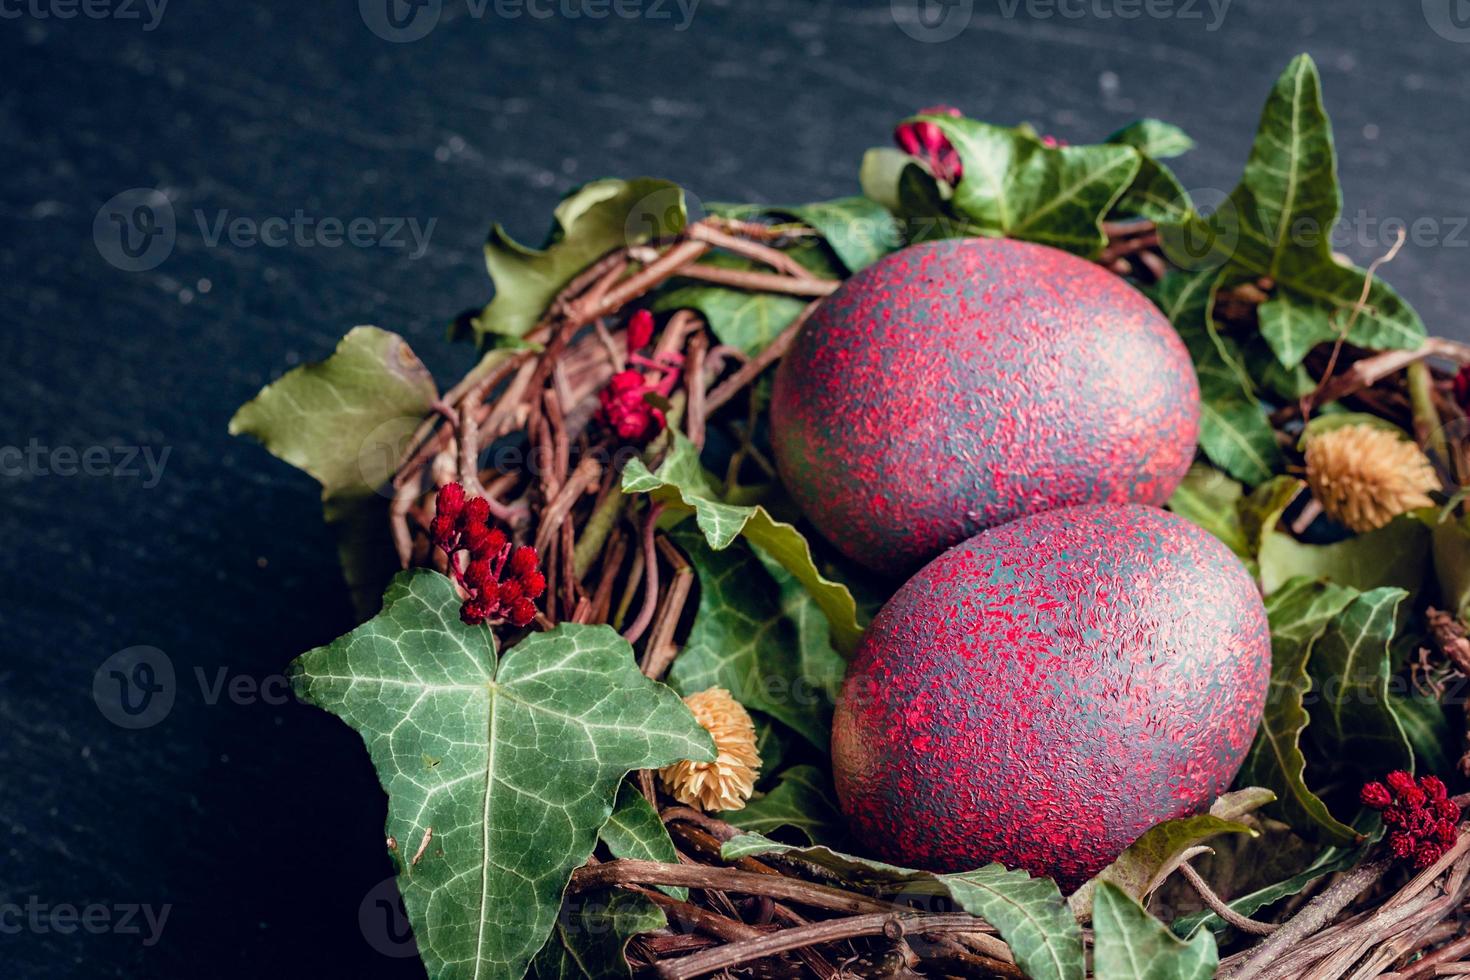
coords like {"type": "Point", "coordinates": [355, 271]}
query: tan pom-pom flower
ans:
{"type": "Point", "coordinates": [1365, 476]}
{"type": "Point", "coordinates": [726, 783]}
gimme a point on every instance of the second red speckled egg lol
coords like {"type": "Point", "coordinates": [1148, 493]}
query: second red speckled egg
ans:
{"type": "Point", "coordinates": [959, 384]}
{"type": "Point", "coordinates": [1045, 692]}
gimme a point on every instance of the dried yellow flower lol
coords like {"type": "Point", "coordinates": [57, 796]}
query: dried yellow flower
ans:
{"type": "Point", "coordinates": [1365, 476]}
{"type": "Point", "coordinates": [726, 783]}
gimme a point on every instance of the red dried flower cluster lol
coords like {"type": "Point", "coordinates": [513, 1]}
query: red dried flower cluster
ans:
{"type": "Point", "coordinates": [1420, 816]}
{"type": "Point", "coordinates": [927, 141]}
{"type": "Point", "coordinates": [1462, 387]}
{"type": "Point", "coordinates": [624, 405]}
{"type": "Point", "coordinates": [499, 579]}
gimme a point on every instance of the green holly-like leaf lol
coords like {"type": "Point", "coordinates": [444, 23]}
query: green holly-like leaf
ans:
{"type": "Point", "coordinates": [858, 229]}
{"type": "Point", "coordinates": [1210, 499]}
{"type": "Point", "coordinates": [1299, 613]}
{"type": "Point", "coordinates": [1029, 913]}
{"type": "Point", "coordinates": [802, 800]}
{"type": "Point", "coordinates": [1450, 537]}
{"type": "Point", "coordinates": [758, 634]}
{"type": "Point", "coordinates": [1234, 431]}
{"type": "Point", "coordinates": [635, 831]}
{"type": "Point", "coordinates": [1353, 725]}
{"type": "Point", "coordinates": [1142, 868]}
{"type": "Point", "coordinates": [1016, 187]}
{"type": "Point", "coordinates": [589, 222]}
{"type": "Point", "coordinates": [1397, 554]}
{"type": "Point", "coordinates": [590, 937]}
{"type": "Point", "coordinates": [1277, 224]}
{"type": "Point", "coordinates": [345, 421]}
{"type": "Point", "coordinates": [1130, 944]}
{"type": "Point", "coordinates": [531, 751]}
{"type": "Point", "coordinates": [1154, 137]}
{"type": "Point", "coordinates": [683, 485]}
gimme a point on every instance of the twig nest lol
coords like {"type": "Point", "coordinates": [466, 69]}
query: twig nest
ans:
{"type": "Point", "coordinates": [1365, 476]}
{"type": "Point", "coordinates": [726, 783]}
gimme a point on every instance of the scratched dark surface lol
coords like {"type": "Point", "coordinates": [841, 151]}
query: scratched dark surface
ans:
{"type": "Point", "coordinates": [258, 825]}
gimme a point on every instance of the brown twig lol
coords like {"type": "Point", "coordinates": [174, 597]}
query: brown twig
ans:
{"type": "Point", "coordinates": [752, 368]}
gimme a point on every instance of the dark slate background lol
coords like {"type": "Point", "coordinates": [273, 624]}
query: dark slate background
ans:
{"type": "Point", "coordinates": [258, 823]}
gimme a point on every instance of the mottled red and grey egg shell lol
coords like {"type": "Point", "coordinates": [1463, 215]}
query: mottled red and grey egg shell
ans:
{"type": "Point", "coordinates": [959, 384]}
{"type": "Point", "coordinates": [1045, 692]}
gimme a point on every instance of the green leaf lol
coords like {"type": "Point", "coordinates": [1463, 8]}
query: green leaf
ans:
{"type": "Point", "coordinates": [1014, 186]}
{"type": "Point", "coordinates": [635, 831]}
{"type": "Point", "coordinates": [879, 174]}
{"type": "Point", "coordinates": [802, 800]}
{"type": "Point", "coordinates": [1210, 499]}
{"type": "Point", "coordinates": [1330, 861]}
{"type": "Point", "coordinates": [1153, 137]}
{"type": "Point", "coordinates": [1234, 431]}
{"type": "Point", "coordinates": [531, 751]}
{"type": "Point", "coordinates": [346, 422]}
{"type": "Point", "coordinates": [1298, 613]}
{"type": "Point", "coordinates": [1280, 220]}
{"type": "Point", "coordinates": [683, 485]}
{"type": "Point", "coordinates": [589, 222]}
{"type": "Point", "coordinates": [1130, 944]}
{"type": "Point", "coordinates": [1157, 195]}
{"type": "Point", "coordinates": [1397, 554]}
{"type": "Point", "coordinates": [1450, 536]}
{"type": "Point", "coordinates": [1028, 912]}
{"type": "Point", "coordinates": [1142, 868]}
{"type": "Point", "coordinates": [1427, 729]}
{"type": "Point", "coordinates": [858, 229]}
{"type": "Point", "coordinates": [1353, 725]}
{"type": "Point", "coordinates": [589, 940]}
{"type": "Point", "coordinates": [758, 634]}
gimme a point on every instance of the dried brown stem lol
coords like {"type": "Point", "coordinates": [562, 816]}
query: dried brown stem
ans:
{"type": "Point", "coordinates": [1220, 907]}
{"type": "Point", "coordinates": [650, 576]}
{"type": "Point", "coordinates": [760, 282]}
{"type": "Point", "coordinates": [632, 872]}
{"type": "Point", "coordinates": [752, 368]}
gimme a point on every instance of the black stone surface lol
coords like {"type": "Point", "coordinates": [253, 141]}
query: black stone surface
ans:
{"type": "Point", "coordinates": [257, 823]}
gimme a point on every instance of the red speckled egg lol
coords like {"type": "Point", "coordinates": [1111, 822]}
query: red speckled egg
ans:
{"type": "Point", "coordinates": [1043, 693]}
{"type": "Point", "coordinates": [960, 384]}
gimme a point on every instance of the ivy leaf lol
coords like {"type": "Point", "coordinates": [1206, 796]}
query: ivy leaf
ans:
{"type": "Point", "coordinates": [744, 640]}
{"type": "Point", "coordinates": [1234, 431]}
{"type": "Point", "coordinates": [1298, 614]}
{"type": "Point", "coordinates": [589, 222]}
{"type": "Point", "coordinates": [1210, 499]}
{"type": "Point", "coordinates": [879, 175]}
{"type": "Point", "coordinates": [345, 421]}
{"type": "Point", "coordinates": [531, 751]}
{"type": "Point", "coordinates": [857, 229]}
{"type": "Point", "coordinates": [1427, 729]}
{"type": "Point", "coordinates": [635, 831]}
{"type": "Point", "coordinates": [802, 800]}
{"type": "Point", "coordinates": [1028, 912]}
{"type": "Point", "coordinates": [1016, 187]}
{"type": "Point", "coordinates": [1353, 725]}
{"type": "Point", "coordinates": [1130, 944]}
{"type": "Point", "coordinates": [1142, 868]}
{"type": "Point", "coordinates": [738, 317]}
{"type": "Point", "coordinates": [1330, 861]}
{"type": "Point", "coordinates": [1397, 554]}
{"type": "Point", "coordinates": [590, 938]}
{"type": "Point", "coordinates": [1280, 219]}
{"type": "Point", "coordinates": [1153, 137]}
{"type": "Point", "coordinates": [683, 485]}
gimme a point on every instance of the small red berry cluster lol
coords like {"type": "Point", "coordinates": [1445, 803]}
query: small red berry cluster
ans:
{"type": "Point", "coordinates": [499, 580]}
{"type": "Point", "coordinates": [1420, 816]}
{"type": "Point", "coordinates": [927, 141]}
{"type": "Point", "coordinates": [623, 405]}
